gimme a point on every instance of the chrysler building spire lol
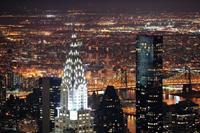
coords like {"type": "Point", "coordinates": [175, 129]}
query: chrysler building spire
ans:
{"type": "Point", "coordinates": [73, 113]}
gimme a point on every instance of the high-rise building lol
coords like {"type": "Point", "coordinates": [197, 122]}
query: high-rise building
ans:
{"type": "Point", "coordinates": [49, 99]}
{"type": "Point", "coordinates": [109, 116]}
{"type": "Point", "coordinates": [9, 78]}
{"type": "Point", "coordinates": [73, 112]}
{"type": "Point", "coordinates": [185, 117]}
{"type": "Point", "coordinates": [149, 83]}
{"type": "Point", "coordinates": [2, 90]}
{"type": "Point", "coordinates": [94, 101]}
{"type": "Point", "coordinates": [9, 74]}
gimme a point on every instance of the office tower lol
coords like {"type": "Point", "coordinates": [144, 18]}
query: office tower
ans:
{"type": "Point", "coordinates": [48, 101]}
{"type": "Point", "coordinates": [73, 113]}
{"type": "Point", "coordinates": [185, 117]}
{"type": "Point", "coordinates": [94, 101]}
{"type": "Point", "coordinates": [2, 90]}
{"type": "Point", "coordinates": [9, 79]}
{"type": "Point", "coordinates": [9, 68]}
{"type": "Point", "coordinates": [13, 80]}
{"type": "Point", "coordinates": [166, 119]}
{"type": "Point", "coordinates": [33, 104]}
{"type": "Point", "coordinates": [17, 81]}
{"type": "Point", "coordinates": [149, 83]}
{"type": "Point", "coordinates": [109, 116]}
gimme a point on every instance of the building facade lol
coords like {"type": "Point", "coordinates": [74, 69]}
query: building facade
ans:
{"type": "Point", "coordinates": [49, 99]}
{"type": "Point", "coordinates": [109, 115]}
{"type": "Point", "coordinates": [73, 112]}
{"type": "Point", "coordinates": [149, 83]}
{"type": "Point", "coordinates": [2, 91]}
{"type": "Point", "coordinates": [185, 117]}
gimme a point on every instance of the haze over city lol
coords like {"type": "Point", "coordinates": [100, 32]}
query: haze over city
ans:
{"type": "Point", "coordinates": [124, 5]}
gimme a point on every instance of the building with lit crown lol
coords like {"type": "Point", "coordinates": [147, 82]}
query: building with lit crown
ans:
{"type": "Point", "coordinates": [73, 113]}
{"type": "Point", "coordinates": [149, 83]}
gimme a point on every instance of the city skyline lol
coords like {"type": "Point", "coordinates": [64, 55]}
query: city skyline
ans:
{"type": "Point", "coordinates": [129, 66]}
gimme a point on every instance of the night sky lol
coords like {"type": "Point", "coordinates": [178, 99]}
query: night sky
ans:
{"type": "Point", "coordinates": [174, 5]}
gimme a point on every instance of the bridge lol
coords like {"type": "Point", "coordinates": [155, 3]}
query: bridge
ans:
{"type": "Point", "coordinates": [183, 78]}
{"type": "Point", "coordinates": [180, 78]}
{"type": "Point", "coordinates": [117, 81]}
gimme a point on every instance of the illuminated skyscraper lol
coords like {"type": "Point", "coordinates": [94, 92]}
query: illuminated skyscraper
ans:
{"type": "Point", "coordinates": [149, 83]}
{"type": "Point", "coordinates": [73, 113]}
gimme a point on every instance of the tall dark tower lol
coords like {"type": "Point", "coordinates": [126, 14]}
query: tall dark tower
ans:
{"type": "Point", "coordinates": [149, 83]}
{"type": "Point", "coordinates": [109, 116]}
{"type": "Point", "coordinates": [9, 69]}
{"type": "Point", "coordinates": [2, 90]}
{"type": "Point", "coordinates": [49, 99]}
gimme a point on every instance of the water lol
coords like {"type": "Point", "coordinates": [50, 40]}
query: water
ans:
{"type": "Point", "coordinates": [171, 99]}
{"type": "Point", "coordinates": [132, 124]}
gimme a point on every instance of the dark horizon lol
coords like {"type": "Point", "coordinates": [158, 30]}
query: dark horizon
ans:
{"type": "Point", "coordinates": [122, 5]}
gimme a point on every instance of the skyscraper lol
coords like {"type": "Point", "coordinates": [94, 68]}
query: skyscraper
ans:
{"type": "Point", "coordinates": [149, 83]}
{"type": "Point", "coordinates": [48, 101]}
{"type": "Point", "coordinates": [109, 116]}
{"type": "Point", "coordinates": [2, 90]}
{"type": "Point", "coordinates": [73, 113]}
{"type": "Point", "coordinates": [185, 117]}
